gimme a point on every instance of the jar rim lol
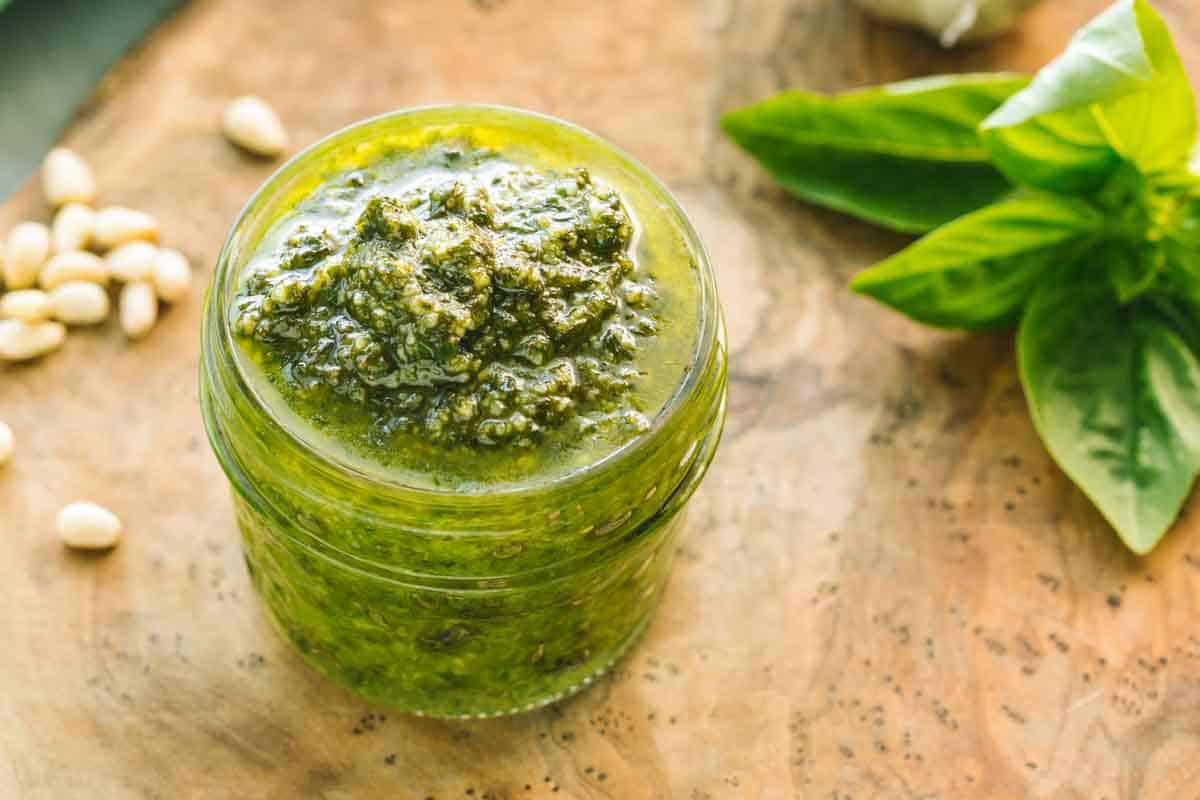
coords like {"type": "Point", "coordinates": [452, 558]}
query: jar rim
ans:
{"type": "Point", "coordinates": [709, 329]}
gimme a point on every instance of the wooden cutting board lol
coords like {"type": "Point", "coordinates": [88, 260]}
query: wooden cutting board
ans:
{"type": "Point", "coordinates": [886, 589]}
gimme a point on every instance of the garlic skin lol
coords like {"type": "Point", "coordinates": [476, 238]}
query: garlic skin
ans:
{"type": "Point", "coordinates": [952, 21]}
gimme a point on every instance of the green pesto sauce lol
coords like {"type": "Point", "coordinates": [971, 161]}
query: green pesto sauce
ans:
{"type": "Point", "coordinates": [466, 308]}
{"type": "Point", "coordinates": [465, 317]}
{"type": "Point", "coordinates": [453, 653]}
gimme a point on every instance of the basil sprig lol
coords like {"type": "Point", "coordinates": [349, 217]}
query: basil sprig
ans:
{"type": "Point", "coordinates": [1068, 209]}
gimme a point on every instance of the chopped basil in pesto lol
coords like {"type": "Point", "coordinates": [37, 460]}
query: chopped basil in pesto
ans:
{"type": "Point", "coordinates": [487, 304]}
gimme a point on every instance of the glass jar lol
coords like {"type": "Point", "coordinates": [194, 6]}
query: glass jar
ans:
{"type": "Point", "coordinates": [456, 603]}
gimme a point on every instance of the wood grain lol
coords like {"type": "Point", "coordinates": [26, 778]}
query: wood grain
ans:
{"type": "Point", "coordinates": [886, 588]}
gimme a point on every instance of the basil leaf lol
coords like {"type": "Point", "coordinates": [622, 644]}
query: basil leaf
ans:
{"type": "Point", "coordinates": [907, 155]}
{"type": "Point", "coordinates": [1119, 91]}
{"type": "Point", "coordinates": [978, 271]}
{"type": "Point", "coordinates": [1155, 127]}
{"type": "Point", "coordinates": [1114, 392]}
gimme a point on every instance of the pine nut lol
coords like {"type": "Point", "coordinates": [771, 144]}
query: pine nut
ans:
{"type": "Point", "coordinates": [28, 305]}
{"type": "Point", "coordinates": [117, 225]}
{"type": "Point", "coordinates": [252, 124]}
{"type": "Point", "coordinates": [172, 275]}
{"type": "Point", "coordinates": [133, 261]}
{"type": "Point", "coordinates": [72, 227]}
{"type": "Point", "coordinates": [73, 265]}
{"type": "Point", "coordinates": [66, 178]}
{"type": "Point", "coordinates": [138, 309]}
{"type": "Point", "coordinates": [88, 526]}
{"type": "Point", "coordinates": [80, 303]}
{"type": "Point", "coordinates": [22, 341]}
{"type": "Point", "coordinates": [26, 250]}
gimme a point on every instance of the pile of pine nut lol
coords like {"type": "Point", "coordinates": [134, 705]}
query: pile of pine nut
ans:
{"type": "Point", "coordinates": [58, 276]}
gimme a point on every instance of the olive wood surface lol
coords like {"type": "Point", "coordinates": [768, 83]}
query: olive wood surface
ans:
{"type": "Point", "coordinates": [885, 590]}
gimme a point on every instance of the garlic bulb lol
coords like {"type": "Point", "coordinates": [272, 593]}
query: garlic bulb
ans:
{"type": "Point", "coordinates": [952, 21]}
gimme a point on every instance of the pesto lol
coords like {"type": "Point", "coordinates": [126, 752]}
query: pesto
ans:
{"type": "Point", "coordinates": [464, 368]}
{"type": "Point", "coordinates": [486, 304]}
{"type": "Point", "coordinates": [450, 652]}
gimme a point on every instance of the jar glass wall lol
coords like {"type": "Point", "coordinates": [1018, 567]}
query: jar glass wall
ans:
{"type": "Point", "coordinates": [453, 602]}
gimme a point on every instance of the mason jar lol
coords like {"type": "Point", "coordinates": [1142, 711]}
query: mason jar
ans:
{"type": "Point", "coordinates": [443, 601]}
